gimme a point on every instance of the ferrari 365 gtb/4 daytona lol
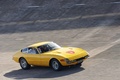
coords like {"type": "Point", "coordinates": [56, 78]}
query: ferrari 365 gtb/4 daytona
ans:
{"type": "Point", "coordinates": [49, 54]}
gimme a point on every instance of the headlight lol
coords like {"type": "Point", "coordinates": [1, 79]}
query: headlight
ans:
{"type": "Point", "coordinates": [67, 61]}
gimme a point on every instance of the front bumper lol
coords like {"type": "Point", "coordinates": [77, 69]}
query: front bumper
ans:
{"type": "Point", "coordinates": [79, 60]}
{"type": "Point", "coordinates": [68, 62]}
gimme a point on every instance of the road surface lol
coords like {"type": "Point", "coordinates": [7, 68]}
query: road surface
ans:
{"type": "Point", "coordinates": [93, 25]}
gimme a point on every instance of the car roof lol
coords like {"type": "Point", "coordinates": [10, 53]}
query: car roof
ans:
{"type": "Point", "coordinates": [39, 43]}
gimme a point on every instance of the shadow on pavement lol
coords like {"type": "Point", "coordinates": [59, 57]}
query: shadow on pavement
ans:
{"type": "Point", "coordinates": [42, 72]}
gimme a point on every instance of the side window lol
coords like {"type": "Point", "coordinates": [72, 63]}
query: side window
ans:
{"type": "Point", "coordinates": [43, 48]}
{"type": "Point", "coordinates": [32, 51]}
{"type": "Point", "coordinates": [29, 51]}
{"type": "Point", "coordinates": [25, 50]}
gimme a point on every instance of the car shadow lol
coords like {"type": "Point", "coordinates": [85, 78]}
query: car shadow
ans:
{"type": "Point", "coordinates": [42, 72]}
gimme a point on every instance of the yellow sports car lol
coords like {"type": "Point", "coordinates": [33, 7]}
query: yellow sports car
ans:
{"type": "Point", "coordinates": [49, 54]}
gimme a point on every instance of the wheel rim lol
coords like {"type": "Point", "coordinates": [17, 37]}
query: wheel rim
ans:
{"type": "Point", "coordinates": [55, 65]}
{"type": "Point", "coordinates": [23, 63]}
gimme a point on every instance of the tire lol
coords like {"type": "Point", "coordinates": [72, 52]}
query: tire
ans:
{"type": "Point", "coordinates": [55, 64]}
{"type": "Point", "coordinates": [80, 64]}
{"type": "Point", "coordinates": [24, 65]}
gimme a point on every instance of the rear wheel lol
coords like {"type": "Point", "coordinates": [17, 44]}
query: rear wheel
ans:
{"type": "Point", "coordinates": [24, 65]}
{"type": "Point", "coordinates": [55, 64]}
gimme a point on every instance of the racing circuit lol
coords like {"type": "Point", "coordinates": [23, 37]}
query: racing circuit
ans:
{"type": "Point", "coordinates": [93, 25]}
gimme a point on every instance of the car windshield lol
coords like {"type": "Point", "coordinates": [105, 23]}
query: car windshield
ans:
{"type": "Point", "coordinates": [48, 47]}
{"type": "Point", "coordinates": [53, 46]}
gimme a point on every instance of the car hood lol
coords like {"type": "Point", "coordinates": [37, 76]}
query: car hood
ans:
{"type": "Point", "coordinates": [70, 52]}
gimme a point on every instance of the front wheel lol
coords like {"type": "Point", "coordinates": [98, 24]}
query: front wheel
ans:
{"type": "Point", "coordinates": [55, 64]}
{"type": "Point", "coordinates": [24, 65]}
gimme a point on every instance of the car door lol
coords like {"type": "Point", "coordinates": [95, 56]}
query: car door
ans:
{"type": "Point", "coordinates": [33, 57]}
{"type": "Point", "coordinates": [44, 54]}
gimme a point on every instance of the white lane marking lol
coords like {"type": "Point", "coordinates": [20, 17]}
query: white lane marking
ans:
{"type": "Point", "coordinates": [116, 42]}
{"type": "Point", "coordinates": [99, 4]}
{"type": "Point", "coordinates": [101, 15]}
{"type": "Point", "coordinates": [33, 6]}
{"type": "Point", "coordinates": [115, 2]}
{"type": "Point", "coordinates": [60, 19]}
{"type": "Point", "coordinates": [40, 21]}
{"type": "Point", "coordinates": [103, 48]}
{"type": "Point", "coordinates": [25, 22]}
{"type": "Point", "coordinates": [80, 4]}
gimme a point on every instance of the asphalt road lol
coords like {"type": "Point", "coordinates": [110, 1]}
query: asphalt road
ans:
{"type": "Point", "coordinates": [93, 25]}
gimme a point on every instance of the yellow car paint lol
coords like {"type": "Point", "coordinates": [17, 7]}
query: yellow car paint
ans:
{"type": "Point", "coordinates": [43, 59]}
